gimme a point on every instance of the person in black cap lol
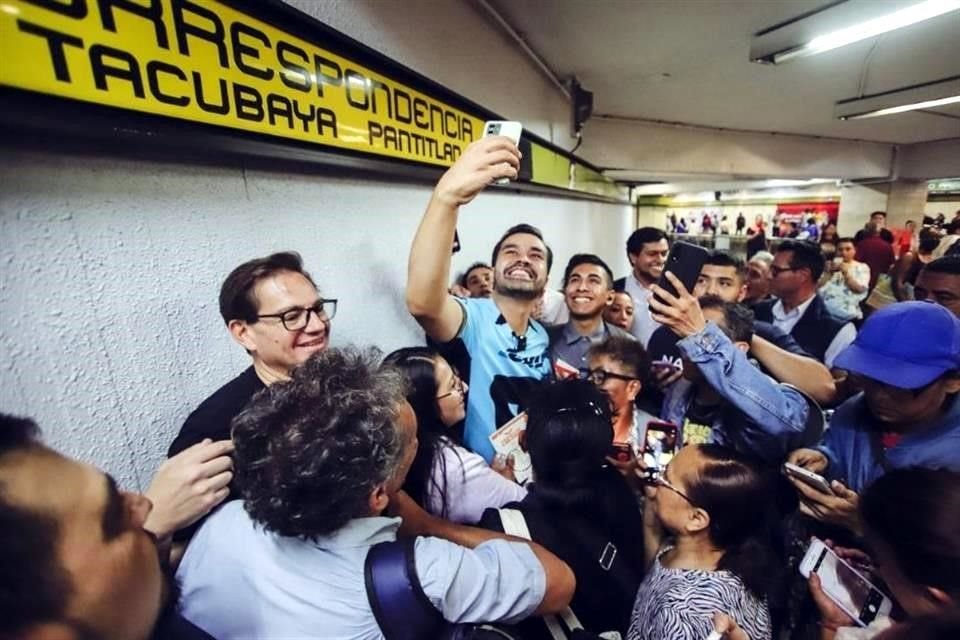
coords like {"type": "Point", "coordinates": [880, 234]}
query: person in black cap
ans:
{"type": "Point", "coordinates": [906, 361]}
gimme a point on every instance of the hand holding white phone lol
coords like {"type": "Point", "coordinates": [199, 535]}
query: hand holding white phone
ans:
{"type": "Point", "coordinates": [509, 128]}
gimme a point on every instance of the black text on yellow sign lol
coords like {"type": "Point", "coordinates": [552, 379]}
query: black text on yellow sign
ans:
{"type": "Point", "coordinates": [207, 62]}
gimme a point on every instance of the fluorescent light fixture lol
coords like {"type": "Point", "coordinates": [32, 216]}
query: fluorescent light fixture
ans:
{"type": "Point", "coordinates": [922, 96]}
{"type": "Point", "coordinates": [841, 24]}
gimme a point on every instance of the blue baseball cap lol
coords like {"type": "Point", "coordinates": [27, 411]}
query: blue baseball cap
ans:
{"type": "Point", "coordinates": [907, 345]}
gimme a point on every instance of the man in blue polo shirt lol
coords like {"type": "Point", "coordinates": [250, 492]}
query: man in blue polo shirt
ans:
{"type": "Point", "coordinates": [508, 348]}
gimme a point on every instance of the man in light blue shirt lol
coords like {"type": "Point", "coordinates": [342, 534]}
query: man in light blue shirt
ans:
{"type": "Point", "coordinates": [507, 347]}
{"type": "Point", "coordinates": [318, 459]}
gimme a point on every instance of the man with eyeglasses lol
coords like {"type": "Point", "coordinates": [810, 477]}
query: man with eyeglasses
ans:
{"type": "Point", "coordinates": [906, 362]}
{"type": "Point", "coordinates": [800, 311]}
{"type": "Point", "coordinates": [272, 308]}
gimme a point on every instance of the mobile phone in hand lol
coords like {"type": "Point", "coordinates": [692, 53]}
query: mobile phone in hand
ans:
{"type": "Point", "coordinates": [509, 128]}
{"type": "Point", "coordinates": [844, 585]}
{"type": "Point", "coordinates": [660, 444]}
{"type": "Point", "coordinates": [621, 451]}
{"type": "Point", "coordinates": [685, 261]}
{"type": "Point", "coordinates": [809, 478]}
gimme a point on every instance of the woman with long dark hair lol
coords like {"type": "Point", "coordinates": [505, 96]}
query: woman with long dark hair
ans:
{"type": "Point", "coordinates": [579, 507]}
{"type": "Point", "coordinates": [715, 506]}
{"type": "Point", "coordinates": [446, 479]}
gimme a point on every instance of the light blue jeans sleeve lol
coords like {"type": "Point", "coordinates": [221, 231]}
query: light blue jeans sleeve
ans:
{"type": "Point", "coordinates": [776, 412]}
{"type": "Point", "coordinates": [498, 581]}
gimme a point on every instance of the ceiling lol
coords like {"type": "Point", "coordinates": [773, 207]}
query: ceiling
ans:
{"type": "Point", "coordinates": [686, 61]}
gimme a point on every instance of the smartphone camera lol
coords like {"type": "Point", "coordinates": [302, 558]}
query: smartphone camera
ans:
{"type": "Point", "coordinates": [493, 129]}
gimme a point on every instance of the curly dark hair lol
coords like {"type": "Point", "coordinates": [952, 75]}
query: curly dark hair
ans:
{"type": "Point", "coordinates": [310, 451]}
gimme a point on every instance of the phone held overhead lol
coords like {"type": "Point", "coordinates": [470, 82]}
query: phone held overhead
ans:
{"type": "Point", "coordinates": [509, 128]}
{"type": "Point", "coordinates": [685, 261]}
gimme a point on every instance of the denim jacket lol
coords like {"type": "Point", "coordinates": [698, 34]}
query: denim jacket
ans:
{"type": "Point", "coordinates": [761, 416]}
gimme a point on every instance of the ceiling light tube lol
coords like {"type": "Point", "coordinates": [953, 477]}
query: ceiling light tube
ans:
{"type": "Point", "coordinates": [838, 25]}
{"type": "Point", "coordinates": [922, 96]}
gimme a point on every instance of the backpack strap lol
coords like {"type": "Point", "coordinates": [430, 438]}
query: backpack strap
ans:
{"type": "Point", "coordinates": [515, 524]}
{"type": "Point", "coordinates": [401, 608]}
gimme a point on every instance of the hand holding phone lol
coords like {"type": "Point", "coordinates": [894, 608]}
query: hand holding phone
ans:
{"type": "Point", "coordinates": [508, 128]}
{"type": "Point", "coordinates": [843, 584]}
{"type": "Point", "coordinates": [660, 444]}
{"type": "Point", "coordinates": [809, 478]}
{"type": "Point", "coordinates": [684, 261]}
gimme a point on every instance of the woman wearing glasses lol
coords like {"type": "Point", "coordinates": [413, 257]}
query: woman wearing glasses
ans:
{"type": "Point", "coordinates": [713, 505]}
{"type": "Point", "coordinates": [446, 479]}
{"type": "Point", "coordinates": [578, 506]}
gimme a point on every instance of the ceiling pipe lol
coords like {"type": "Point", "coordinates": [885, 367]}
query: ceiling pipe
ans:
{"type": "Point", "coordinates": [535, 57]}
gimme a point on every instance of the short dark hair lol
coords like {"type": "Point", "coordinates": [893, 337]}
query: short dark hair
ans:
{"type": "Point", "coordinates": [569, 431]}
{"type": "Point", "coordinates": [642, 236]}
{"type": "Point", "coordinates": [587, 258]}
{"type": "Point", "coordinates": [806, 255]}
{"type": "Point", "coordinates": [737, 318]}
{"type": "Point", "coordinates": [927, 551]}
{"type": "Point", "coordinates": [846, 239]}
{"type": "Point", "coordinates": [34, 586]}
{"type": "Point", "coordinates": [466, 274]}
{"type": "Point", "coordinates": [625, 350]}
{"type": "Point", "coordinates": [310, 451]}
{"type": "Point", "coordinates": [237, 298]}
{"type": "Point", "coordinates": [522, 228]}
{"type": "Point", "coordinates": [724, 259]}
{"type": "Point", "coordinates": [947, 264]}
{"type": "Point", "coordinates": [878, 213]}
{"type": "Point", "coordinates": [737, 494]}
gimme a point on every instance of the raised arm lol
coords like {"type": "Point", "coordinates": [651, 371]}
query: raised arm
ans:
{"type": "Point", "coordinates": [806, 374]}
{"type": "Point", "coordinates": [428, 271]}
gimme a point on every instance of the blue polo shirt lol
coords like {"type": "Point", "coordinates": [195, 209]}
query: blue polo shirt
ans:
{"type": "Point", "coordinates": [504, 369]}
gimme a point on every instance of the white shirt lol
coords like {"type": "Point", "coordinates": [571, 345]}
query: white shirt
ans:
{"type": "Point", "coordinates": [786, 321]}
{"type": "Point", "coordinates": [643, 324]}
{"type": "Point", "coordinates": [242, 582]}
{"type": "Point", "coordinates": [472, 486]}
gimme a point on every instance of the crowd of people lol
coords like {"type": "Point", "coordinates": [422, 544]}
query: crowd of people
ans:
{"type": "Point", "coordinates": [336, 493]}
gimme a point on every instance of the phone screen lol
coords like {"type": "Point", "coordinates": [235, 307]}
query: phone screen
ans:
{"type": "Point", "coordinates": [621, 452]}
{"type": "Point", "coordinates": [660, 444]}
{"type": "Point", "coordinates": [848, 588]}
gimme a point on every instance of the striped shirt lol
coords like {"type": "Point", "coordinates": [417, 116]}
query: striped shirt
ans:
{"type": "Point", "coordinates": [678, 604]}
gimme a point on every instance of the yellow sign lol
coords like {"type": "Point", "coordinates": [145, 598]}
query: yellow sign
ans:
{"type": "Point", "coordinates": [203, 61]}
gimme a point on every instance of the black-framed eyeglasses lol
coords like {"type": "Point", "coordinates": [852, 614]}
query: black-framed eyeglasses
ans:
{"type": "Point", "coordinates": [600, 375]}
{"type": "Point", "coordinates": [775, 270]}
{"type": "Point", "coordinates": [297, 318]}
{"type": "Point", "coordinates": [458, 387]}
{"type": "Point", "coordinates": [657, 478]}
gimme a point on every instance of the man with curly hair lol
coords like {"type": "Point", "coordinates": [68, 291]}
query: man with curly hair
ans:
{"type": "Point", "coordinates": [318, 460]}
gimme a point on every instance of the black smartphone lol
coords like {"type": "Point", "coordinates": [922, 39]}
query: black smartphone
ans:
{"type": "Point", "coordinates": [685, 261]}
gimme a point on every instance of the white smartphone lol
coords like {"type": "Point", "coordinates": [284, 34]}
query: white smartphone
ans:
{"type": "Point", "coordinates": [844, 585]}
{"type": "Point", "coordinates": [808, 478]}
{"type": "Point", "coordinates": [509, 128]}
